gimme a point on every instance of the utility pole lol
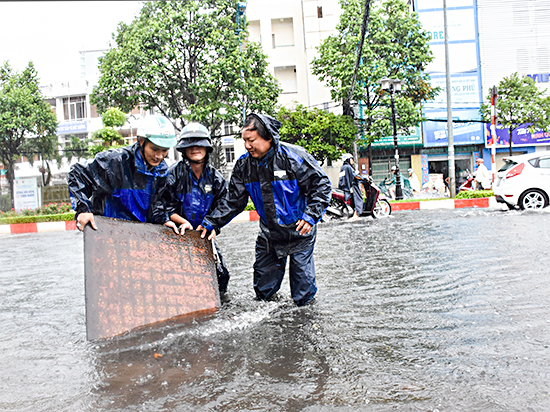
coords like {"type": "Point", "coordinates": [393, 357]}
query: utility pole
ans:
{"type": "Point", "coordinates": [494, 132]}
{"type": "Point", "coordinates": [451, 146]}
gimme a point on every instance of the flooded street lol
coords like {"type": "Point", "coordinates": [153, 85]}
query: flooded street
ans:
{"type": "Point", "coordinates": [443, 310]}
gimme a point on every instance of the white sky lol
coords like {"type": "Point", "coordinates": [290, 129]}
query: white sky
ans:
{"type": "Point", "coordinates": [51, 33]}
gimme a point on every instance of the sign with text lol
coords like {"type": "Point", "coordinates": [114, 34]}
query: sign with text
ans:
{"type": "Point", "coordinates": [73, 127]}
{"type": "Point", "coordinates": [521, 136]}
{"type": "Point", "coordinates": [139, 274]}
{"type": "Point", "coordinates": [25, 193]}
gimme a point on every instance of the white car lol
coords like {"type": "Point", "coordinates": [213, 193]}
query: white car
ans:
{"type": "Point", "coordinates": [524, 181]}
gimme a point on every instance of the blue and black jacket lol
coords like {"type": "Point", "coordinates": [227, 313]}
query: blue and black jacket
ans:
{"type": "Point", "coordinates": [286, 185]}
{"type": "Point", "coordinates": [116, 183]}
{"type": "Point", "coordinates": [188, 196]}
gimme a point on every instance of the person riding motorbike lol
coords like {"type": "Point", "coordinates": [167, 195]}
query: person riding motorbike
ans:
{"type": "Point", "coordinates": [391, 184]}
{"type": "Point", "coordinates": [348, 182]}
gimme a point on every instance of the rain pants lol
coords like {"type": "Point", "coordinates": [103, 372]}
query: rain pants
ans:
{"type": "Point", "coordinates": [286, 185]}
{"type": "Point", "coordinates": [116, 183]}
{"type": "Point", "coordinates": [349, 184]}
{"type": "Point", "coordinates": [192, 199]}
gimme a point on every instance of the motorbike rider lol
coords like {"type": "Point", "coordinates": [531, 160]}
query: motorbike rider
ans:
{"type": "Point", "coordinates": [391, 184]}
{"type": "Point", "coordinates": [193, 188]}
{"type": "Point", "coordinates": [348, 182]}
{"type": "Point", "coordinates": [291, 192]}
{"type": "Point", "coordinates": [123, 183]}
{"type": "Point", "coordinates": [482, 176]}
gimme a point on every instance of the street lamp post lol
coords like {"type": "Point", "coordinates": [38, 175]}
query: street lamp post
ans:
{"type": "Point", "coordinates": [394, 85]}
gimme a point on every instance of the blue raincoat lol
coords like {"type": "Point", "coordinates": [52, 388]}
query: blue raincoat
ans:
{"type": "Point", "coordinates": [286, 185]}
{"type": "Point", "coordinates": [192, 199]}
{"type": "Point", "coordinates": [116, 183]}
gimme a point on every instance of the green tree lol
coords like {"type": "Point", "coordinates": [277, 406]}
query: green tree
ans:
{"type": "Point", "coordinates": [27, 123]}
{"type": "Point", "coordinates": [395, 46]}
{"type": "Point", "coordinates": [188, 61]}
{"type": "Point", "coordinates": [111, 138]}
{"type": "Point", "coordinates": [519, 103]}
{"type": "Point", "coordinates": [77, 148]}
{"type": "Point", "coordinates": [324, 135]}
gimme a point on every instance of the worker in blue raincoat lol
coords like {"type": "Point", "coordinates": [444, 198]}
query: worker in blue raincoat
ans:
{"type": "Point", "coordinates": [193, 188]}
{"type": "Point", "coordinates": [123, 183]}
{"type": "Point", "coordinates": [348, 182]}
{"type": "Point", "coordinates": [291, 192]}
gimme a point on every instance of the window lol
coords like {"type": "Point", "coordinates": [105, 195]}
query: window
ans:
{"type": "Point", "coordinates": [544, 162]}
{"type": "Point", "coordinates": [229, 154]}
{"type": "Point", "coordinates": [74, 108]}
{"type": "Point", "coordinates": [282, 32]}
{"type": "Point", "coordinates": [286, 76]}
{"type": "Point", "coordinates": [66, 139]}
{"type": "Point", "coordinates": [227, 129]}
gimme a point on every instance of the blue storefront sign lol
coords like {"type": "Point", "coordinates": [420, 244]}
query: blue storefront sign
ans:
{"type": "Point", "coordinates": [464, 72]}
{"type": "Point", "coordinates": [464, 132]}
{"type": "Point", "coordinates": [72, 127]}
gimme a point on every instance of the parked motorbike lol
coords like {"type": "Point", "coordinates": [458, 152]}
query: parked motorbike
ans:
{"type": "Point", "coordinates": [375, 203]}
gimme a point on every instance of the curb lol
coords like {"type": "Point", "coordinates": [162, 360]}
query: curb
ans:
{"type": "Point", "coordinates": [17, 228]}
{"type": "Point", "coordinates": [252, 215]}
{"type": "Point", "coordinates": [481, 202]}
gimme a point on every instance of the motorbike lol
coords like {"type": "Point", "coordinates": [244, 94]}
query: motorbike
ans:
{"type": "Point", "coordinates": [375, 203]}
{"type": "Point", "coordinates": [468, 184]}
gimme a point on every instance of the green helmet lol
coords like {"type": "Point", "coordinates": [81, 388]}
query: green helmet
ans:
{"type": "Point", "coordinates": [158, 130]}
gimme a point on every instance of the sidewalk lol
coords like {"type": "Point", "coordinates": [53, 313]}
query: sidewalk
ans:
{"type": "Point", "coordinates": [250, 216]}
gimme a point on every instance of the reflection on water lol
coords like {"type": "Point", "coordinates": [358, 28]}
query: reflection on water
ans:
{"type": "Point", "coordinates": [422, 311]}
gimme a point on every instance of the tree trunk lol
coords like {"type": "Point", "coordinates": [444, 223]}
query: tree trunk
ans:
{"type": "Point", "coordinates": [347, 109]}
{"type": "Point", "coordinates": [510, 144]}
{"type": "Point", "coordinates": [11, 177]}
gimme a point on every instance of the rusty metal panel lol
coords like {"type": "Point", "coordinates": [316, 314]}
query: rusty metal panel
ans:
{"type": "Point", "coordinates": [138, 274]}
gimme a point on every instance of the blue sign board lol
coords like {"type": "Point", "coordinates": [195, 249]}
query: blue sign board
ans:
{"type": "Point", "coordinates": [465, 72]}
{"type": "Point", "coordinates": [72, 127]}
{"type": "Point", "coordinates": [435, 132]}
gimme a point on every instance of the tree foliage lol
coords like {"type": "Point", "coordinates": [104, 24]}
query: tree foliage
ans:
{"type": "Point", "coordinates": [188, 61]}
{"type": "Point", "coordinates": [325, 135]}
{"type": "Point", "coordinates": [111, 138]}
{"type": "Point", "coordinates": [27, 123]}
{"type": "Point", "coordinates": [519, 103]}
{"type": "Point", "coordinates": [395, 46]}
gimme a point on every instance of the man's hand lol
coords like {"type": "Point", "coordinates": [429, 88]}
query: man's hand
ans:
{"type": "Point", "coordinates": [204, 230]}
{"type": "Point", "coordinates": [303, 227]}
{"type": "Point", "coordinates": [181, 229]}
{"type": "Point", "coordinates": [83, 219]}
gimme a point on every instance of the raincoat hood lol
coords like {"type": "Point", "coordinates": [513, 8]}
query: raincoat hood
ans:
{"type": "Point", "coordinates": [272, 125]}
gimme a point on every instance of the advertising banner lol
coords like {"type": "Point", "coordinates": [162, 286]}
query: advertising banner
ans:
{"type": "Point", "coordinates": [520, 137]}
{"type": "Point", "coordinates": [25, 193]}
{"type": "Point", "coordinates": [464, 70]}
{"type": "Point", "coordinates": [435, 132]}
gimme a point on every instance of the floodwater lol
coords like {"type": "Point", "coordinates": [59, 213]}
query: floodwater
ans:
{"type": "Point", "coordinates": [442, 310]}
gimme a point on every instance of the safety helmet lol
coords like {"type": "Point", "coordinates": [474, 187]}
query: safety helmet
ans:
{"type": "Point", "coordinates": [346, 157]}
{"type": "Point", "coordinates": [158, 130]}
{"type": "Point", "coordinates": [411, 170]}
{"type": "Point", "coordinates": [194, 134]}
{"type": "Point", "coordinates": [393, 168]}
